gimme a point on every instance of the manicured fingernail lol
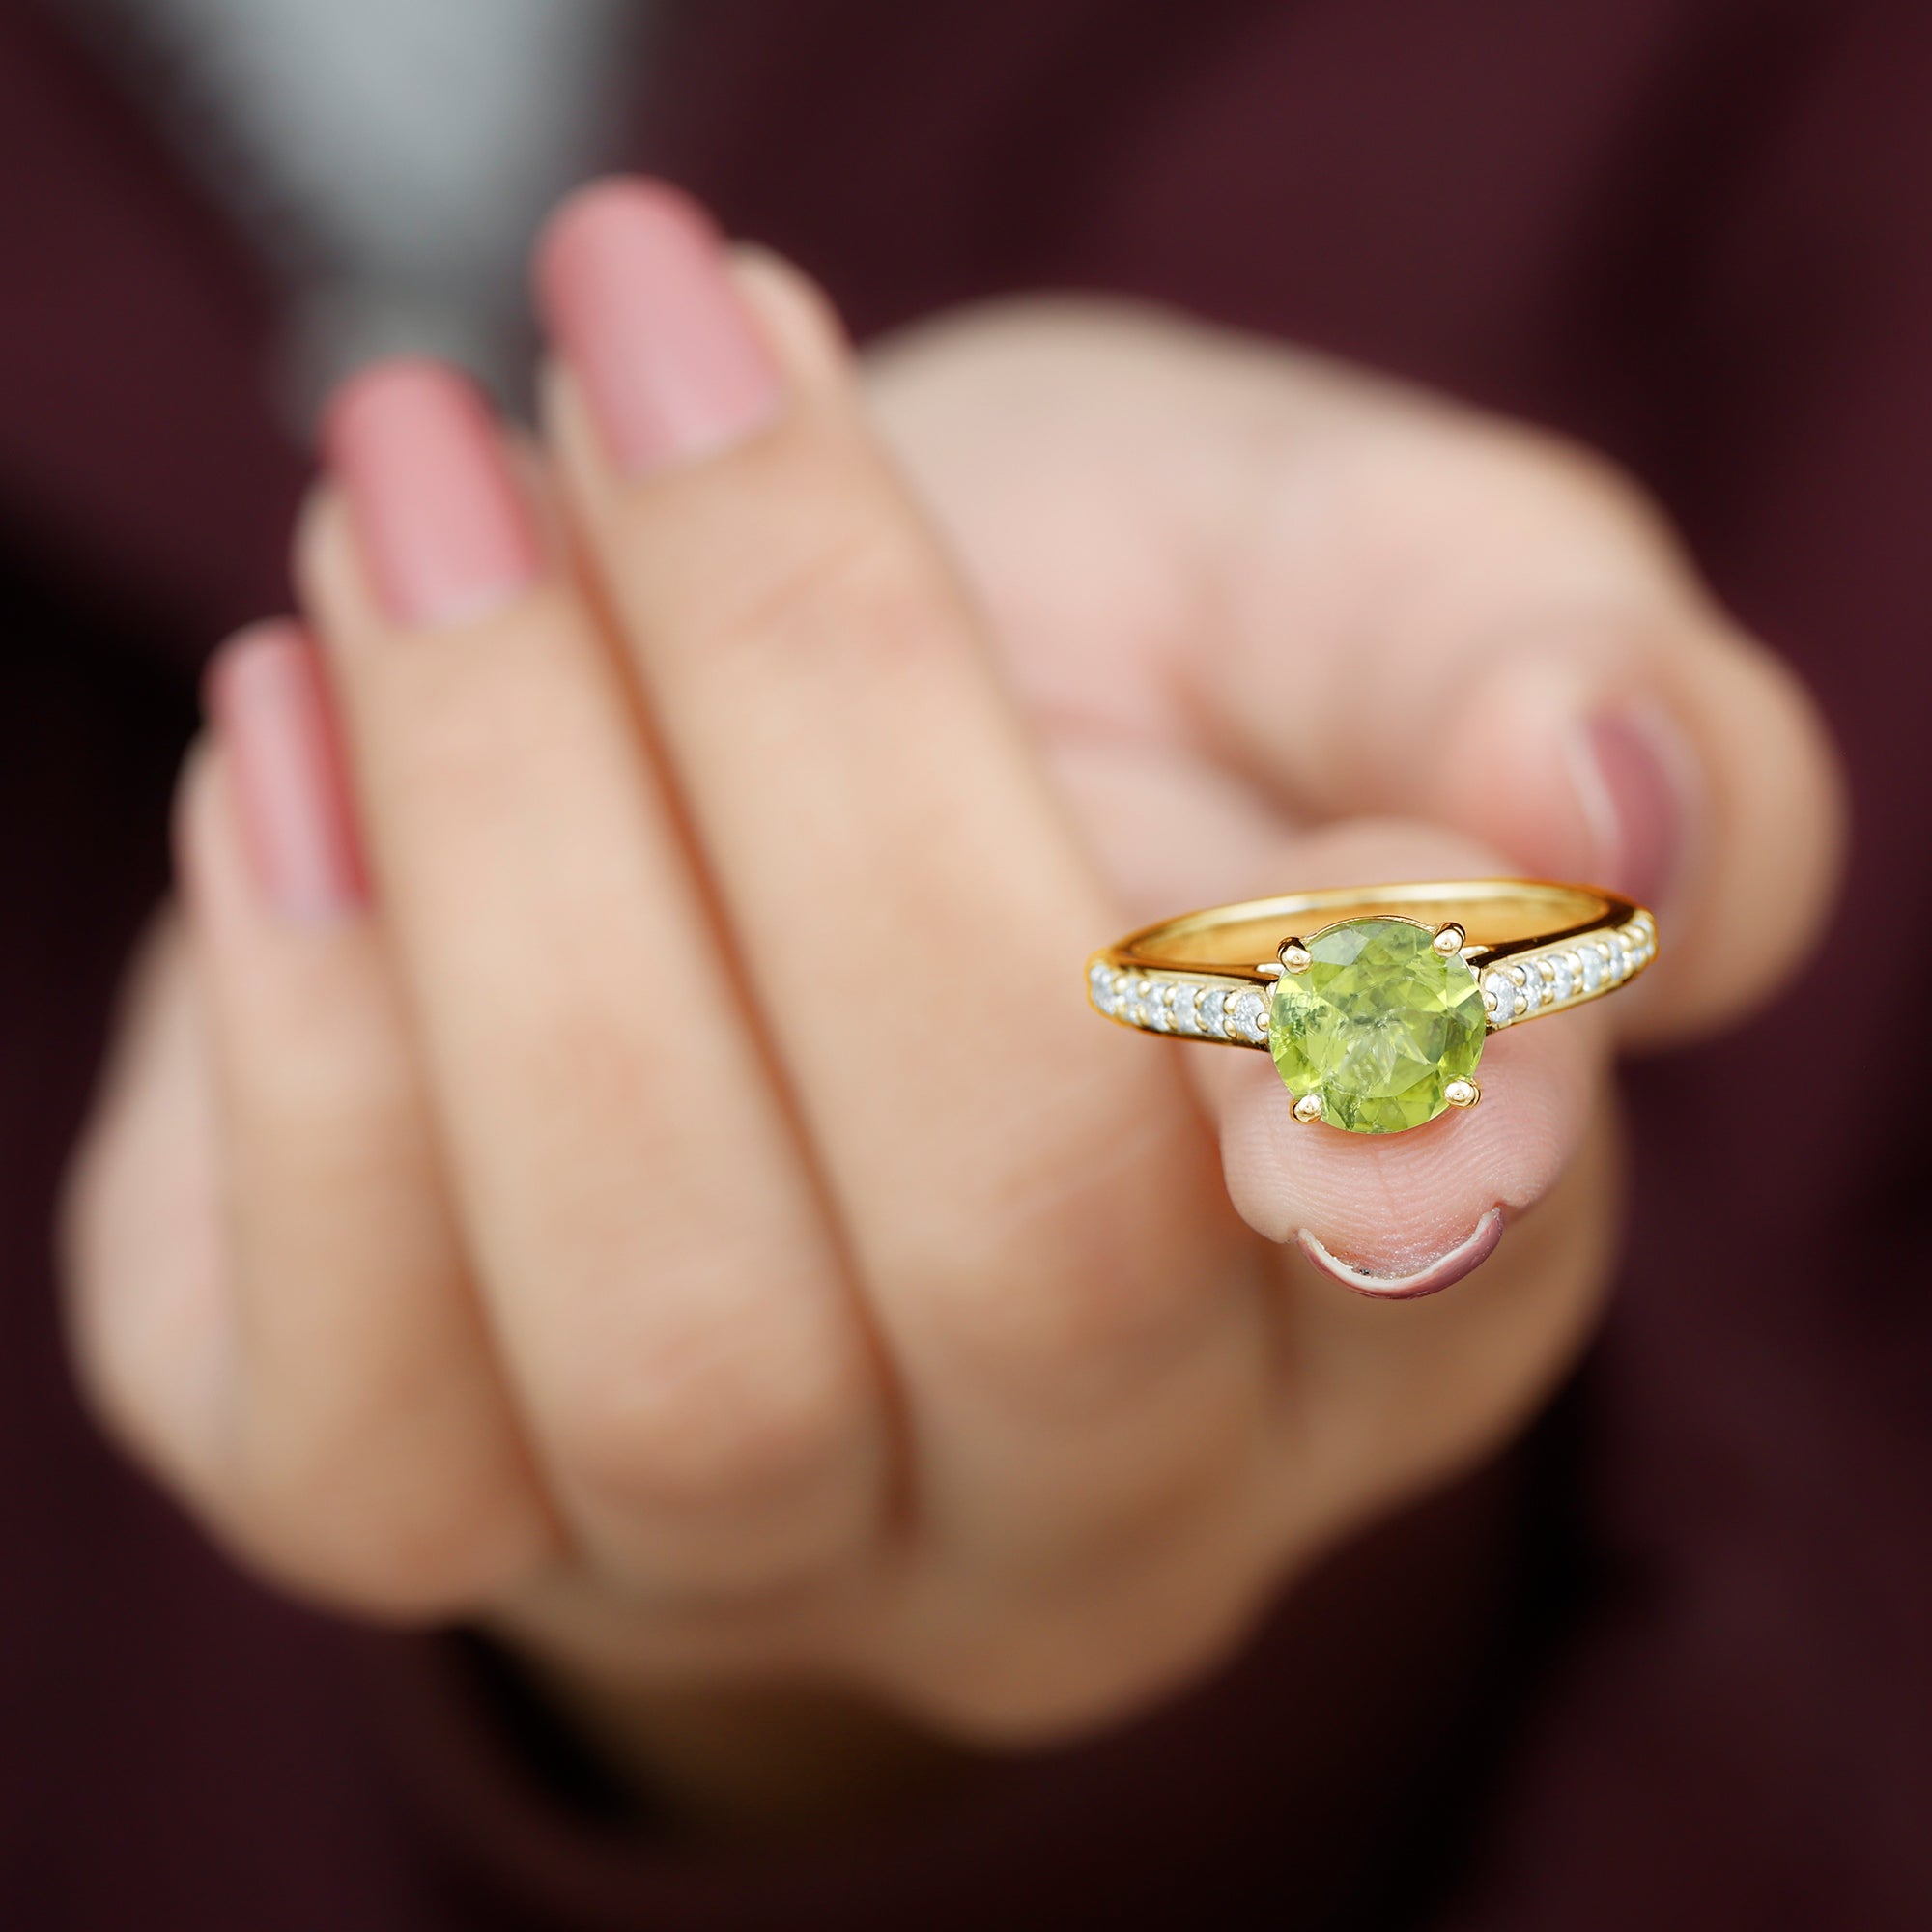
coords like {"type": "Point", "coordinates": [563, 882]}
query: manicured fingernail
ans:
{"type": "Point", "coordinates": [1431, 1278]}
{"type": "Point", "coordinates": [270, 706]}
{"type": "Point", "coordinates": [442, 526]}
{"type": "Point", "coordinates": [1632, 775]}
{"type": "Point", "coordinates": [632, 281]}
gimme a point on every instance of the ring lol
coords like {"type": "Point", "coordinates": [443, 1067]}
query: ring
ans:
{"type": "Point", "coordinates": [1376, 1001]}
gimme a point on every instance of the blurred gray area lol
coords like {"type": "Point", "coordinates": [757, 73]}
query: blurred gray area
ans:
{"type": "Point", "coordinates": [391, 159]}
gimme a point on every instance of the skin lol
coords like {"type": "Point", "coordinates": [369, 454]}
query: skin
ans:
{"type": "Point", "coordinates": [691, 1224]}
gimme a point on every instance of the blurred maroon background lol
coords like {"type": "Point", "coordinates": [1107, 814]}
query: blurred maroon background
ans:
{"type": "Point", "coordinates": [1668, 1665]}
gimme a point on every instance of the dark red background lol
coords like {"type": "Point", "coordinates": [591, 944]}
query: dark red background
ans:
{"type": "Point", "coordinates": [1669, 1666]}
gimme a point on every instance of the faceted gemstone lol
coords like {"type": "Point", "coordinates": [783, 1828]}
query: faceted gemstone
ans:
{"type": "Point", "coordinates": [1378, 1025]}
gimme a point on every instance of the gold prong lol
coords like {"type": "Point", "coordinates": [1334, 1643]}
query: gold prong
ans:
{"type": "Point", "coordinates": [1307, 1109]}
{"type": "Point", "coordinates": [1461, 1093]}
{"type": "Point", "coordinates": [1449, 939]}
{"type": "Point", "coordinates": [1295, 956]}
{"type": "Point", "coordinates": [1270, 969]}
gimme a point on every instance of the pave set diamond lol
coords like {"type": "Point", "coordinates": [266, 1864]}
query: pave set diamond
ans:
{"type": "Point", "coordinates": [1204, 1007]}
{"type": "Point", "coordinates": [1565, 976]}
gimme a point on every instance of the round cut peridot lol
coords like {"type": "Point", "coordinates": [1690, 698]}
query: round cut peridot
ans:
{"type": "Point", "coordinates": [1378, 1024]}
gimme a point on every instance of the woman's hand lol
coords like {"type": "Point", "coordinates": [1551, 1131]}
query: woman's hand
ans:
{"type": "Point", "coordinates": [682, 1211]}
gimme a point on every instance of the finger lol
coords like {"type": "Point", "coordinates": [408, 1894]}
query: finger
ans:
{"type": "Point", "coordinates": [660, 1277]}
{"type": "Point", "coordinates": [1492, 632]}
{"type": "Point", "coordinates": [149, 1306]}
{"type": "Point", "coordinates": [1386, 1401]}
{"type": "Point", "coordinates": [357, 1443]}
{"type": "Point", "coordinates": [1403, 1216]}
{"type": "Point", "coordinates": [1027, 1205]}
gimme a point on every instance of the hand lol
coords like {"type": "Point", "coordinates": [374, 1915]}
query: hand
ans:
{"type": "Point", "coordinates": [684, 1214]}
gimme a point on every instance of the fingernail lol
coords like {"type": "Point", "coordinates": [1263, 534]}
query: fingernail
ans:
{"type": "Point", "coordinates": [443, 529]}
{"type": "Point", "coordinates": [1631, 775]}
{"type": "Point", "coordinates": [270, 706]}
{"type": "Point", "coordinates": [1431, 1278]}
{"type": "Point", "coordinates": [633, 282]}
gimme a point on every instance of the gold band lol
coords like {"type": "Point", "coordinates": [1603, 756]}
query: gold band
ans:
{"type": "Point", "coordinates": [1528, 948]}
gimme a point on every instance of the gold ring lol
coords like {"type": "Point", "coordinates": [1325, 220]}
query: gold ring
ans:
{"type": "Point", "coordinates": [1376, 1001]}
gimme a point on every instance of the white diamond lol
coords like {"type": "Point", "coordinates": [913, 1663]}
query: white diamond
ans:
{"type": "Point", "coordinates": [1154, 1004]}
{"type": "Point", "coordinates": [1501, 991]}
{"type": "Point", "coordinates": [1101, 980]}
{"type": "Point", "coordinates": [1180, 1012]}
{"type": "Point", "coordinates": [1562, 971]}
{"type": "Point", "coordinates": [1619, 957]}
{"type": "Point", "coordinates": [1210, 1011]}
{"type": "Point", "coordinates": [1593, 966]}
{"type": "Point", "coordinates": [1247, 1017]}
{"type": "Point", "coordinates": [1532, 990]}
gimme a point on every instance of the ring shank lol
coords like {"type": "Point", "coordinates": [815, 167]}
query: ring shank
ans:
{"type": "Point", "coordinates": [1500, 916]}
{"type": "Point", "coordinates": [1534, 949]}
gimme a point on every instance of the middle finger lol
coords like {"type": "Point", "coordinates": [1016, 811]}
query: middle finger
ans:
{"type": "Point", "coordinates": [1036, 1216]}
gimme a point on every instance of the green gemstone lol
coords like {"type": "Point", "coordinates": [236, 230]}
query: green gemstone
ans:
{"type": "Point", "coordinates": [1378, 1025]}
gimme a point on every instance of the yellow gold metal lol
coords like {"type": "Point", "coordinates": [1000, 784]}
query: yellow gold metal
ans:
{"type": "Point", "coordinates": [1463, 1092]}
{"type": "Point", "coordinates": [1503, 929]}
{"type": "Point", "coordinates": [1307, 1109]}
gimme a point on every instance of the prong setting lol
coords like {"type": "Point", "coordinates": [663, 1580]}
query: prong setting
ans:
{"type": "Point", "coordinates": [1384, 972]}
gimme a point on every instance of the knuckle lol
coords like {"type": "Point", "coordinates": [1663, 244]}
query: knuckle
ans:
{"type": "Point", "coordinates": [404, 1574]}
{"type": "Point", "coordinates": [716, 1423]}
{"type": "Point", "coordinates": [349, 1080]}
{"type": "Point", "coordinates": [458, 750]}
{"type": "Point", "coordinates": [1079, 1293]}
{"type": "Point", "coordinates": [1537, 477]}
{"type": "Point", "coordinates": [144, 1271]}
{"type": "Point", "coordinates": [328, 1519]}
{"type": "Point", "coordinates": [459, 716]}
{"type": "Point", "coordinates": [849, 591]}
{"type": "Point", "coordinates": [589, 1048]}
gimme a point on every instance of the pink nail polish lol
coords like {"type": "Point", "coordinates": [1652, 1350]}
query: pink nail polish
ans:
{"type": "Point", "coordinates": [269, 701]}
{"type": "Point", "coordinates": [1444, 1272]}
{"type": "Point", "coordinates": [444, 528]}
{"type": "Point", "coordinates": [633, 283]}
{"type": "Point", "coordinates": [1631, 775]}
